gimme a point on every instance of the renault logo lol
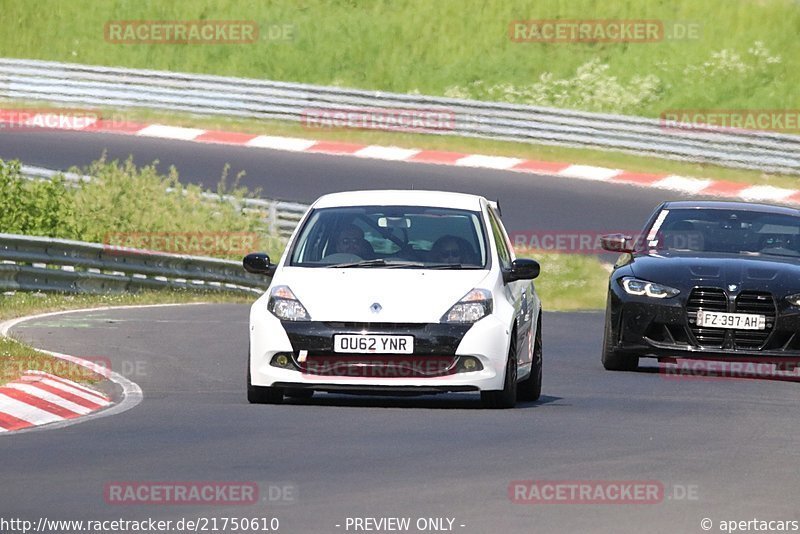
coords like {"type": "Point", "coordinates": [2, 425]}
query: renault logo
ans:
{"type": "Point", "coordinates": [376, 308]}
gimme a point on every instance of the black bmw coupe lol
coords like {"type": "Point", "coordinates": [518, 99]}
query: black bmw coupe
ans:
{"type": "Point", "coordinates": [706, 280]}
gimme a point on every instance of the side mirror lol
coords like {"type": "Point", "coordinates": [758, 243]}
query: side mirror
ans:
{"type": "Point", "coordinates": [522, 269]}
{"type": "Point", "coordinates": [616, 243]}
{"type": "Point", "coordinates": [257, 263]}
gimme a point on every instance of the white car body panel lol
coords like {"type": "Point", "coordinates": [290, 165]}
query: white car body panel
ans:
{"type": "Point", "coordinates": [332, 294]}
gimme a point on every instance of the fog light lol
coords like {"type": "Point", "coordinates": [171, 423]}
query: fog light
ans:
{"type": "Point", "coordinates": [468, 364]}
{"type": "Point", "coordinates": [282, 360]}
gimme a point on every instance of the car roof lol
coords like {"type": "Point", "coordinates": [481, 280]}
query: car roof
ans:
{"type": "Point", "coordinates": [402, 197]}
{"type": "Point", "coordinates": [730, 205]}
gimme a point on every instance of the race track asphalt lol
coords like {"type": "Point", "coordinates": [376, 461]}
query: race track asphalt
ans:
{"type": "Point", "coordinates": [722, 449]}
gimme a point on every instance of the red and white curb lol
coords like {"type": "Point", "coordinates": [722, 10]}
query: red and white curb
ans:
{"type": "Point", "coordinates": [39, 398]}
{"type": "Point", "coordinates": [680, 184]}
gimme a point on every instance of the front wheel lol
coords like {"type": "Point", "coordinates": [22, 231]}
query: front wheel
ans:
{"type": "Point", "coordinates": [506, 397]}
{"type": "Point", "coordinates": [261, 394]}
{"type": "Point", "coordinates": [530, 389]}
{"type": "Point", "coordinates": [613, 360]}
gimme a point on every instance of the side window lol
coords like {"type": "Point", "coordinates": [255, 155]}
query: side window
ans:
{"type": "Point", "coordinates": [503, 250]}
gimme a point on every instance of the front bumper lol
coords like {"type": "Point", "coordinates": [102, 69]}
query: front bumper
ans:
{"type": "Point", "coordinates": [664, 329]}
{"type": "Point", "coordinates": [435, 366]}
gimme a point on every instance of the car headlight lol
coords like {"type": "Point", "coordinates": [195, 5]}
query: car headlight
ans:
{"type": "Point", "coordinates": [473, 306]}
{"type": "Point", "coordinates": [285, 306]}
{"type": "Point", "coordinates": [794, 299]}
{"type": "Point", "coordinates": [634, 286]}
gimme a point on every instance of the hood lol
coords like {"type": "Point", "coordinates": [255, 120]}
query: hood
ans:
{"type": "Point", "coordinates": [404, 295]}
{"type": "Point", "coordinates": [757, 273]}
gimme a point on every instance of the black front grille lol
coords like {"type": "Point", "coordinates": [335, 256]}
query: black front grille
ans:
{"type": "Point", "coordinates": [709, 299]}
{"type": "Point", "coordinates": [713, 299]}
{"type": "Point", "coordinates": [357, 327]}
{"type": "Point", "coordinates": [378, 365]}
{"type": "Point", "coordinates": [760, 303]}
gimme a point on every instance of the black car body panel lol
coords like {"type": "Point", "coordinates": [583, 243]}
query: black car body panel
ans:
{"type": "Point", "coordinates": [429, 339]}
{"type": "Point", "coordinates": [750, 282]}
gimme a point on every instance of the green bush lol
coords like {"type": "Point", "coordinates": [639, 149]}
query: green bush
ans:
{"type": "Point", "coordinates": [44, 208]}
{"type": "Point", "coordinates": [122, 199]}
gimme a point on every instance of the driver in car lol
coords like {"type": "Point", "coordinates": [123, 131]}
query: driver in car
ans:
{"type": "Point", "coordinates": [451, 250]}
{"type": "Point", "coordinates": [350, 240]}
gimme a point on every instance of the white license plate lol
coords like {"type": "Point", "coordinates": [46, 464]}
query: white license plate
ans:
{"type": "Point", "coordinates": [740, 321]}
{"type": "Point", "coordinates": [375, 344]}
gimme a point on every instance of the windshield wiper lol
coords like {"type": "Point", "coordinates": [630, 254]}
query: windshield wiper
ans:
{"type": "Point", "coordinates": [789, 253]}
{"type": "Point", "coordinates": [363, 263]}
{"type": "Point", "coordinates": [445, 266]}
{"type": "Point", "coordinates": [378, 262]}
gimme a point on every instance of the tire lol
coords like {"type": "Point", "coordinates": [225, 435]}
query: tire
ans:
{"type": "Point", "coordinates": [261, 394]}
{"type": "Point", "coordinates": [530, 389]}
{"type": "Point", "coordinates": [613, 360]}
{"type": "Point", "coordinates": [299, 393]}
{"type": "Point", "coordinates": [506, 397]}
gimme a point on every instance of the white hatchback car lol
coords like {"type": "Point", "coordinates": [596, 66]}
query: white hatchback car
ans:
{"type": "Point", "coordinates": [397, 292]}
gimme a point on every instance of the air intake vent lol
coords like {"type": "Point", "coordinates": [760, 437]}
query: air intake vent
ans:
{"type": "Point", "coordinates": [760, 303]}
{"type": "Point", "coordinates": [709, 299]}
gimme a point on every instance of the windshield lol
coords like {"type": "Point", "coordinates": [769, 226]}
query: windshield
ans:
{"type": "Point", "coordinates": [391, 236]}
{"type": "Point", "coordinates": [725, 231]}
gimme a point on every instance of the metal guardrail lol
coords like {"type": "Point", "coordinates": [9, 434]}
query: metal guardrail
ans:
{"type": "Point", "coordinates": [46, 264]}
{"type": "Point", "coordinates": [217, 95]}
{"type": "Point", "coordinates": [281, 217]}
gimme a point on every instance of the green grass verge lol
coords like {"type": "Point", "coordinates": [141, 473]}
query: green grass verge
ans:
{"type": "Point", "coordinates": [742, 54]}
{"type": "Point", "coordinates": [17, 357]}
{"type": "Point", "coordinates": [570, 282]}
{"type": "Point", "coordinates": [22, 304]}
